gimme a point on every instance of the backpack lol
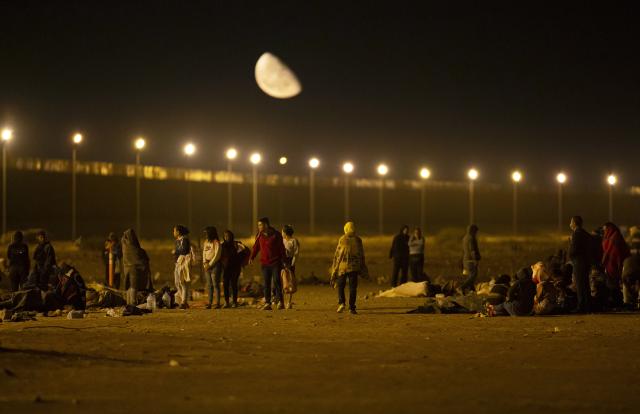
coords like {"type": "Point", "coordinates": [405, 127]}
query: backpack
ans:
{"type": "Point", "coordinates": [71, 288]}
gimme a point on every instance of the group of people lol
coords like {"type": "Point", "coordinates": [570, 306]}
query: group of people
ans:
{"type": "Point", "coordinates": [407, 253]}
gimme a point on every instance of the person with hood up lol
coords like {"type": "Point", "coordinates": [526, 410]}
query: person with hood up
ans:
{"type": "Point", "coordinates": [112, 257]}
{"type": "Point", "coordinates": [211, 264]}
{"type": "Point", "coordinates": [18, 261]}
{"type": "Point", "coordinates": [615, 251]}
{"type": "Point", "coordinates": [581, 255]}
{"type": "Point", "coordinates": [399, 252]}
{"type": "Point", "coordinates": [269, 244]}
{"type": "Point", "coordinates": [348, 264]}
{"type": "Point", "coordinates": [470, 258]}
{"type": "Point", "coordinates": [520, 296]}
{"type": "Point", "coordinates": [44, 258]}
{"type": "Point", "coordinates": [136, 269]}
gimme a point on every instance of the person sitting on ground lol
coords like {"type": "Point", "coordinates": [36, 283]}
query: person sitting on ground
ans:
{"type": "Point", "coordinates": [631, 281]}
{"type": "Point", "coordinates": [615, 251]}
{"type": "Point", "coordinates": [348, 264]}
{"type": "Point", "coordinates": [292, 250]}
{"type": "Point", "coordinates": [44, 258]}
{"type": "Point", "coordinates": [137, 273]}
{"type": "Point", "coordinates": [18, 261]}
{"type": "Point", "coordinates": [399, 252]}
{"type": "Point", "coordinates": [211, 252]}
{"type": "Point", "coordinates": [232, 258]}
{"type": "Point", "coordinates": [520, 296]}
{"type": "Point", "coordinates": [416, 255]}
{"type": "Point", "coordinates": [71, 289]}
{"type": "Point", "coordinates": [600, 293]}
{"type": "Point", "coordinates": [470, 258]}
{"type": "Point", "coordinates": [546, 299]}
{"type": "Point", "coordinates": [182, 256]}
{"type": "Point", "coordinates": [269, 245]}
{"type": "Point", "coordinates": [112, 257]}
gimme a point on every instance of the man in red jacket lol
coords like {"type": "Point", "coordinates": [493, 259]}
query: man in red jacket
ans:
{"type": "Point", "coordinates": [271, 248]}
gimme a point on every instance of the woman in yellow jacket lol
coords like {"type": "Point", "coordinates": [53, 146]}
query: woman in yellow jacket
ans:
{"type": "Point", "coordinates": [348, 264]}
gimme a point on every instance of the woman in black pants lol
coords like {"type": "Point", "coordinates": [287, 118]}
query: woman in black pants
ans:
{"type": "Point", "coordinates": [231, 266]}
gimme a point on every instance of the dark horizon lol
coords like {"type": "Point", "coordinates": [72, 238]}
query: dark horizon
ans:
{"type": "Point", "coordinates": [536, 89]}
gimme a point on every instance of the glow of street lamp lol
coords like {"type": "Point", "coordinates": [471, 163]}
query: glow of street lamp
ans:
{"type": "Point", "coordinates": [283, 160]}
{"type": "Point", "coordinates": [472, 174]}
{"type": "Point", "coordinates": [231, 154]}
{"type": "Point", "coordinates": [189, 149]}
{"type": "Point", "coordinates": [382, 169]}
{"type": "Point", "coordinates": [561, 178]}
{"type": "Point", "coordinates": [314, 163]}
{"type": "Point", "coordinates": [77, 138]}
{"type": "Point", "coordinates": [7, 134]}
{"type": "Point", "coordinates": [255, 158]}
{"type": "Point", "coordinates": [425, 173]}
{"type": "Point", "coordinates": [612, 179]}
{"type": "Point", "coordinates": [140, 143]}
{"type": "Point", "coordinates": [347, 167]}
{"type": "Point", "coordinates": [516, 176]}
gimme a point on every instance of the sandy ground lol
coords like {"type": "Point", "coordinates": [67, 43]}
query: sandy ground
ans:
{"type": "Point", "coordinates": [312, 359]}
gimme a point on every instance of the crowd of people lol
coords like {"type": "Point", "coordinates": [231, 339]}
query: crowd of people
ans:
{"type": "Point", "coordinates": [599, 272]}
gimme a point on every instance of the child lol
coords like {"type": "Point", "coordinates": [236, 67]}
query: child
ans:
{"type": "Point", "coordinates": [211, 253]}
{"type": "Point", "coordinates": [292, 248]}
{"type": "Point", "coordinates": [182, 255]}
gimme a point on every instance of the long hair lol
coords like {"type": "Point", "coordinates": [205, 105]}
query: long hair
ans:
{"type": "Point", "coordinates": [211, 233]}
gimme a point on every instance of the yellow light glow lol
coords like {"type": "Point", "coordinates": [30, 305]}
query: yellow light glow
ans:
{"type": "Point", "coordinates": [231, 154]}
{"type": "Point", "coordinates": [7, 134]}
{"type": "Point", "coordinates": [255, 158]}
{"type": "Point", "coordinates": [425, 173]}
{"type": "Point", "coordinates": [189, 149]}
{"type": "Point", "coordinates": [314, 163]}
{"type": "Point", "coordinates": [77, 138]}
{"type": "Point", "coordinates": [612, 179]}
{"type": "Point", "coordinates": [140, 143]}
{"type": "Point", "coordinates": [516, 176]}
{"type": "Point", "coordinates": [472, 174]}
{"type": "Point", "coordinates": [382, 169]}
{"type": "Point", "coordinates": [283, 160]}
{"type": "Point", "coordinates": [561, 178]}
{"type": "Point", "coordinates": [347, 167]}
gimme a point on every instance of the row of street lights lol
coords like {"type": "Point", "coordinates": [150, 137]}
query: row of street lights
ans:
{"type": "Point", "coordinates": [255, 159]}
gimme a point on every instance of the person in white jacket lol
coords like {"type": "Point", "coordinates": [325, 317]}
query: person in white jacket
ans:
{"type": "Point", "coordinates": [292, 249]}
{"type": "Point", "coordinates": [211, 253]}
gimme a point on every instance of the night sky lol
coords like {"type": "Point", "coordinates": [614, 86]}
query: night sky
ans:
{"type": "Point", "coordinates": [540, 88]}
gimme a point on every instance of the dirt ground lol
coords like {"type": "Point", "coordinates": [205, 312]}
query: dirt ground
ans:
{"type": "Point", "coordinates": [315, 360]}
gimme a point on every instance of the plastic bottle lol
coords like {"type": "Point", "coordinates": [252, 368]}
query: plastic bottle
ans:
{"type": "Point", "coordinates": [151, 302]}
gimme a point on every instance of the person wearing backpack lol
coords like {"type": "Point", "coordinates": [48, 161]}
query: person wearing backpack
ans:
{"type": "Point", "coordinates": [269, 245]}
{"type": "Point", "coordinates": [18, 261]}
{"type": "Point", "coordinates": [292, 249]}
{"type": "Point", "coordinates": [211, 252]}
{"type": "Point", "coordinates": [183, 256]}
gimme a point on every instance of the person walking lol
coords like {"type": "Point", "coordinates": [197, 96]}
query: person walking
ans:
{"type": "Point", "coordinates": [615, 251]}
{"type": "Point", "coordinates": [211, 253]}
{"type": "Point", "coordinates": [112, 257]}
{"type": "Point", "coordinates": [292, 249]}
{"type": "Point", "coordinates": [470, 258]}
{"type": "Point", "coordinates": [348, 264]}
{"type": "Point", "coordinates": [580, 254]}
{"type": "Point", "coordinates": [268, 243]}
{"type": "Point", "coordinates": [18, 261]}
{"type": "Point", "coordinates": [231, 260]}
{"type": "Point", "coordinates": [416, 255]}
{"type": "Point", "coordinates": [136, 267]}
{"type": "Point", "coordinates": [399, 253]}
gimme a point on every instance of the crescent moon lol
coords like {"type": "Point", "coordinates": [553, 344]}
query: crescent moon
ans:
{"type": "Point", "coordinates": [275, 78]}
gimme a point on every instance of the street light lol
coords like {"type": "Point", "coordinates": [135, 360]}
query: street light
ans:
{"type": "Point", "coordinates": [612, 180]}
{"type": "Point", "coordinates": [314, 163]}
{"type": "Point", "coordinates": [139, 145]}
{"type": "Point", "coordinates": [283, 160]}
{"type": "Point", "coordinates": [424, 175]}
{"type": "Point", "coordinates": [516, 177]}
{"type": "Point", "coordinates": [255, 159]}
{"type": "Point", "coordinates": [347, 168]}
{"type": "Point", "coordinates": [473, 176]}
{"type": "Point", "coordinates": [382, 171]}
{"type": "Point", "coordinates": [561, 178]}
{"type": "Point", "coordinates": [189, 150]}
{"type": "Point", "coordinates": [231, 155]}
{"type": "Point", "coordinates": [76, 140]}
{"type": "Point", "coordinates": [7, 135]}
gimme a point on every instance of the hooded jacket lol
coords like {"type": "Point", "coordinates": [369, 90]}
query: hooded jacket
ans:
{"type": "Point", "coordinates": [132, 253]}
{"type": "Point", "coordinates": [470, 251]}
{"type": "Point", "coordinates": [349, 255]}
{"type": "Point", "coordinates": [522, 292]}
{"type": "Point", "coordinates": [615, 251]}
{"type": "Point", "coordinates": [400, 246]}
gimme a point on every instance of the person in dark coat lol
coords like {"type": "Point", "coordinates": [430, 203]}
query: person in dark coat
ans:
{"type": "Point", "coordinates": [44, 258]}
{"type": "Point", "coordinates": [520, 296]}
{"type": "Point", "coordinates": [136, 275]}
{"type": "Point", "coordinates": [112, 251]}
{"type": "Point", "coordinates": [581, 256]}
{"type": "Point", "coordinates": [231, 260]}
{"type": "Point", "coordinates": [399, 252]}
{"type": "Point", "coordinates": [18, 261]}
{"type": "Point", "coordinates": [470, 258]}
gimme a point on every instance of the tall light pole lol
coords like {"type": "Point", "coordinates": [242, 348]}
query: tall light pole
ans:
{"type": "Point", "coordinates": [189, 149]}
{"type": "Point", "coordinates": [382, 171]}
{"type": "Point", "coordinates": [255, 159]}
{"type": "Point", "coordinates": [516, 177]}
{"type": "Point", "coordinates": [7, 135]}
{"type": "Point", "coordinates": [347, 168]}
{"type": "Point", "coordinates": [231, 155]}
{"type": "Point", "coordinates": [473, 176]}
{"type": "Point", "coordinates": [282, 161]}
{"type": "Point", "coordinates": [611, 180]}
{"type": "Point", "coordinates": [561, 178]}
{"type": "Point", "coordinates": [314, 163]}
{"type": "Point", "coordinates": [139, 145]}
{"type": "Point", "coordinates": [424, 175]}
{"type": "Point", "coordinates": [75, 142]}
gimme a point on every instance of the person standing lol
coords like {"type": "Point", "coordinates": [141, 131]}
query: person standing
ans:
{"type": "Point", "coordinates": [580, 254]}
{"type": "Point", "coordinates": [399, 252]}
{"type": "Point", "coordinates": [292, 249]}
{"type": "Point", "coordinates": [112, 257]}
{"type": "Point", "coordinates": [136, 268]}
{"type": "Point", "coordinates": [231, 262]}
{"type": "Point", "coordinates": [182, 256]}
{"type": "Point", "coordinates": [44, 258]}
{"type": "Point", "coordinates": [615, 251]}
{"type": "Point", "coordinates": [416, 255]}
{"type": "Point", "coordinates": [211, 264]}
{"type": "Point", "coordinates": [470, 258]}
{"type": "Point", "coordinates": [348, 264]}
{"type": "Point", "coordinates": [18, 261]}
{"type": "Point", "coordinates": [269, 244]}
